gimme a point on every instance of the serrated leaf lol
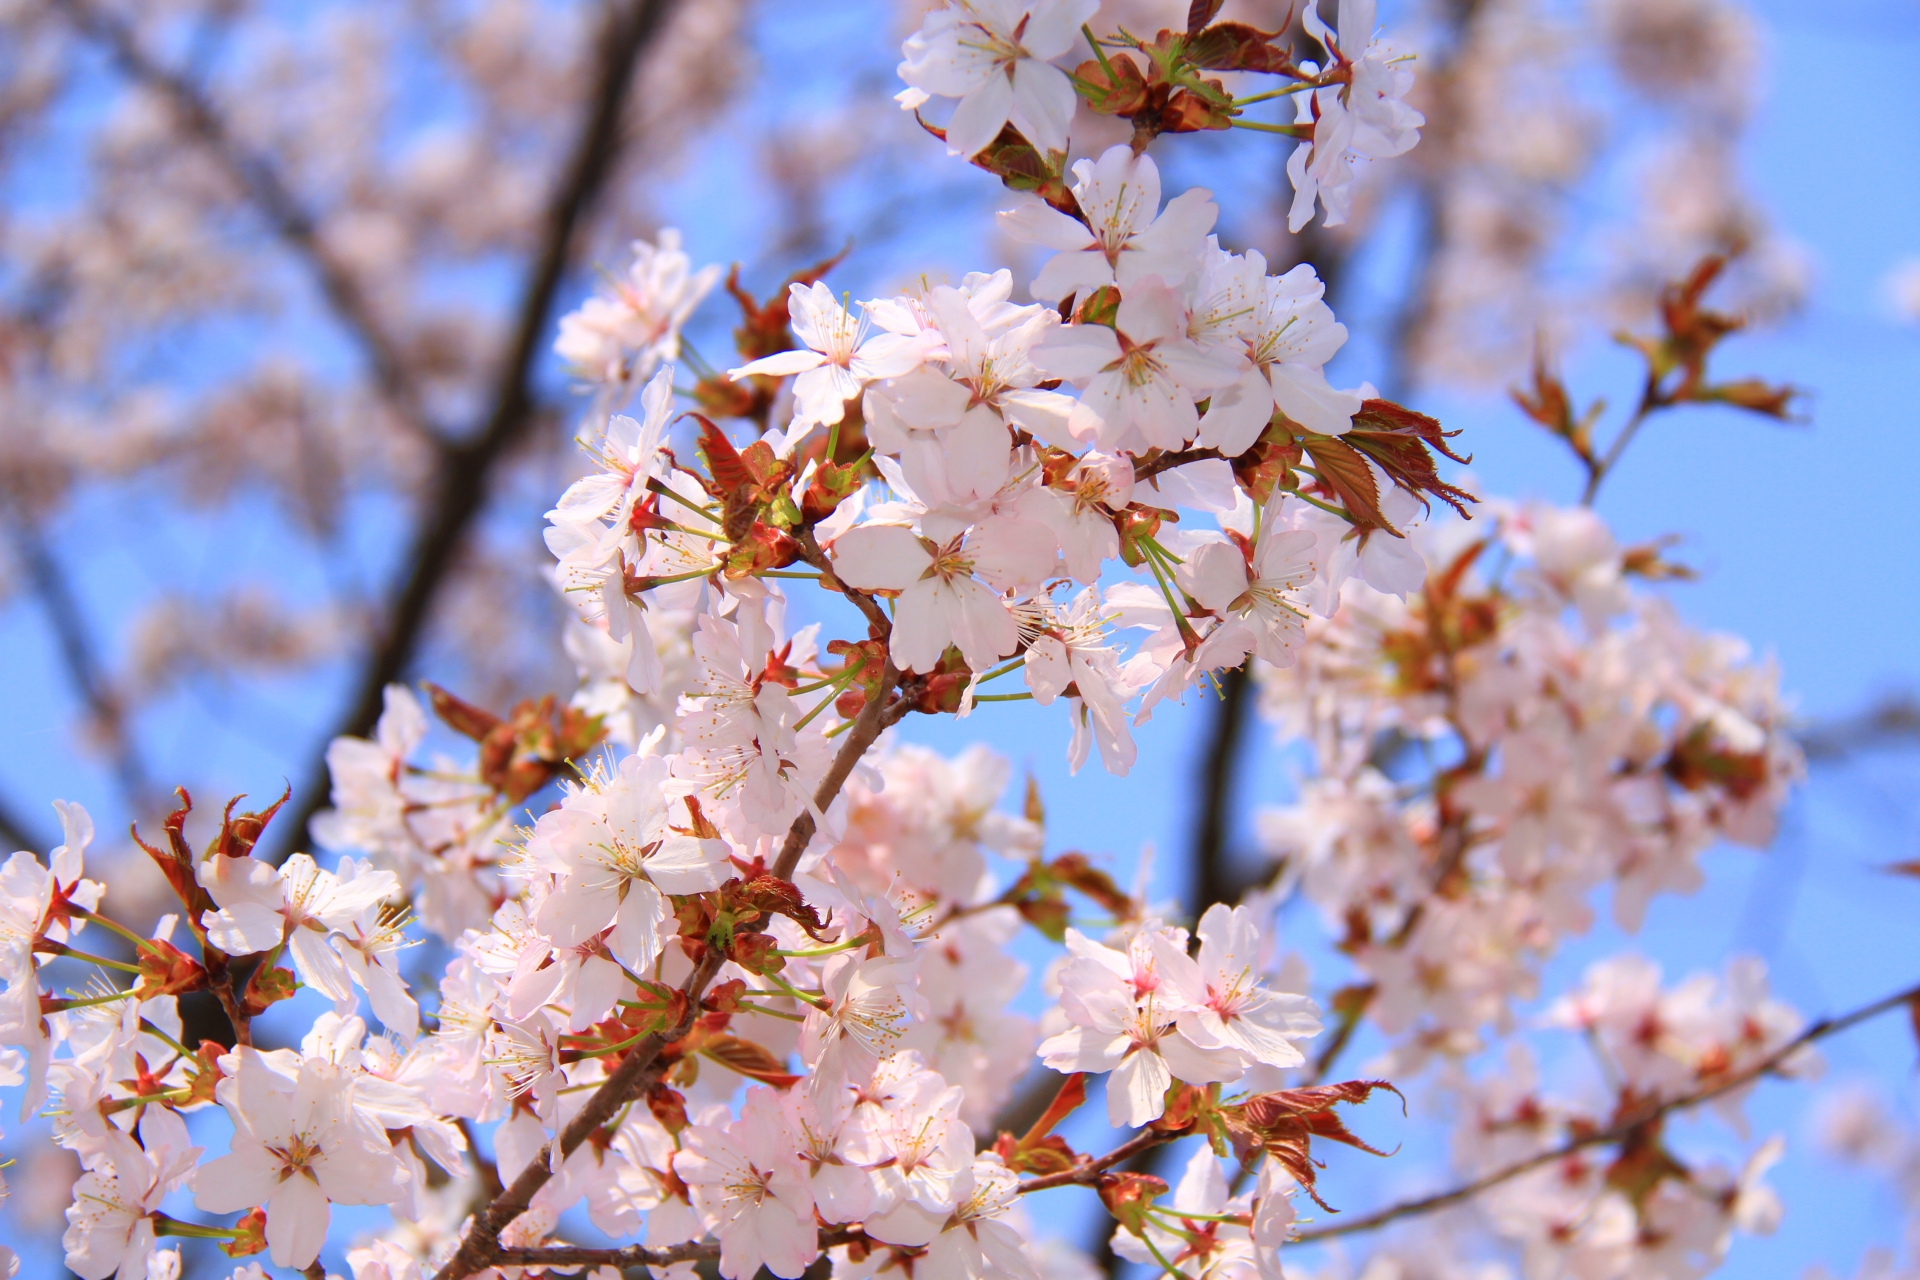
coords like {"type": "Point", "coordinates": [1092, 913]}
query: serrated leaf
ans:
{"type": "Point", "coordinates": [1344, 470]}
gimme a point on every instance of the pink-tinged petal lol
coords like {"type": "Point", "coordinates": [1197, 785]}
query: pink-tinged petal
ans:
{"type": "Point", "coordinates": [1304, 394]}
{"type": "Point", "coordinates": [576, 910]}
{"type": "Point", "coordinates": [1077, 352]}
{"type": "Point", "coordinates": [1237, 414]}
{"type": "Point", "coordinates": [238, 1180]}
{"type": "Point", "coordinates": [1215, 575]}
{"type": "Point", "coordinates": [297, 1218]}
{"type": "Point", "coordinates": [820, 395]}
{"type": "Point", "coordinates": [788, 1242]}
{"type": "Point", "coordinates": [781, 365]}
{"type": "Point", "coordinates": [926, 399]}
{"type": "Point", "coordinates": [1039, 223]}
{"type": "Point", "coordinates": [319, 965]}
{"type": "Point", "coordinates": [1151, 312]}
{"type": "Point", "coordinates": [1119, 192]}
{"type": "Point", "coordinates": [880, 557]}
{"type": "Point", "coordinates": [594, 994]}
{"type": "Point", "coordinates": [1043, 99]}
{"type": "Point", "coordinates": [1078, 273]}
{"type": "Point", "coordinates": [1181, 229]}
{"type": "Point", "coordinates": [1137, 1089]}
{"type": "Point", "coordinates": [639, 927]}
{"type": "Point", "coordinates": [1052, 28]}
{"type": "Point", "coordinates": [979, 116]}
{"type": "Point", "coordinates": [683, 864]}
{"type": "Point", "coordinates": [1082, 1049]}
{"type": "Point", "coordinates": [889, 355]}
{"type": "Point", "coordinates": [1191, 1063]}
{"type": "Point", "coordinates": [907, 1224]}
{"type": "Point", "coordinates": [1046, 669]}
{"type": "Point", "coordinates": [530, 989]}
{"type": "Point", "coordinates": [978, 455]}
{"type": "Point", "coordinates": [1200, 372]}
{"type": "Point", "coordinates": [982, 627]}
{"type": "Point", "coordinates": [923, 625]}
{"type": "Point", "coordinates": [1043, 414]}
{"type": "Point", "coordinates": [245, 927]}
{"type": "Point", "coordinates": [1013, 554]}
{"type": "Point", "coordinates": [358, 1172]}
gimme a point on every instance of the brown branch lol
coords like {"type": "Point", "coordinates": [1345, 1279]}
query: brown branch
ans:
{"type": "Point", "coordinates": [481, 1247]}
{"type": "Point", "coordinates": [1621, 1131]}
{"type": "Point", "coordinates": [262, 183]}
{"type": "Point", "coordinates": [460, 488]}
{"type": "Point", "coordinates": [635, 1255]}
{"type": "Point", "coordinates": [478, 1250]}
{"type": "Point", "coordinates": [1893, 719]}
{"type": "Point", "coordinates": [1080, 1175]}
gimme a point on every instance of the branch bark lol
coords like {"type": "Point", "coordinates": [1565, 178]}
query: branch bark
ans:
{"type": "Point", "coordinates": [1620, 1131]}
{"type": "Point", "coordinates": [640, 1067]}
{"type": "Point", "coordinates": [460, 489]}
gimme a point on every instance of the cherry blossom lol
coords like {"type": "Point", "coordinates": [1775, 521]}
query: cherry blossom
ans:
{"type": "Point", "coordinates": [1127, 237]}
{"type": "Point", "coordinates": [751, 1191]}
{"type": "Point", "coordinates": [993, 55]}
{"type": "Point", "coordinates": [843, 355]}
{"type": "Point", "coordinates": [298, 1148]}
{"type": "Point", "coordinates": [625, 332]}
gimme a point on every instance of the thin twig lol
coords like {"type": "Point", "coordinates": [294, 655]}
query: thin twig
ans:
{"type": "Point", "coordinates": [636, 1071]}
{"type": "Point", "coordinates": [1621, 1131]}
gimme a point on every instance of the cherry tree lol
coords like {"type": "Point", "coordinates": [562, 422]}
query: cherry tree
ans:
{"type": "Point", "coordinates": [713, 966]}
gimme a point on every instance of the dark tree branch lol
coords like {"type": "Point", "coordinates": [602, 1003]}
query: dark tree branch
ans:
{"type": "Point", "coordinates": [459, 491]}
{"type": "Point", "coordinates": [1894, 720]}
{"type": "Point", "coordinates": [90, 682]}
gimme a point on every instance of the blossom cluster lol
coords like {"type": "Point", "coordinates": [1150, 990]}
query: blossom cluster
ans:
{"type": "Point", "coordinates": [1490, 754]}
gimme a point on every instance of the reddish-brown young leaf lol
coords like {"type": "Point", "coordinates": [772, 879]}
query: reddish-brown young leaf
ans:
{"type": "Point", "coordinates": [165, 970]}
{"type": "Point", "coordinates": [1120, 92]}
{"type": "Point", "coordinates": [240, 832]}
{"type": "Point", "coordinates": [1201, 12]}
{"type": "Point", "coordinates": [763, 328]}
{"type": "Point", "coordinates": [1128, 1196]}
{"type": "Point", "coordinates": [1344, 471]}
{"type": "Point", "coordinates": [1072, 1095]}
{"type": "Point", "coordinates": [1701, 758]}
{"type": "Point", "coordinates": [1398, 440]}
{"type": "Point", "coordinates": [1077, 871]}
{"type": "Point", "coordinates": [461, 716]}
{"type": "Point", "coordinates": [773, 896]}
{"type": "Point", "coordinates": [1283, 1124]}
{"type": "Point", "coordinates": [250, 1235]}
{"type": "Point", "coordinates": [754, 1061]}
{"type": "Point", "coordinates": [668, 1106]}
{"type": "Point", "coordinates": [1235, 46]}
{"type": "Point", "coordinates": [268, 987]}
{"type": "Point", "coordinates": [176, 862]}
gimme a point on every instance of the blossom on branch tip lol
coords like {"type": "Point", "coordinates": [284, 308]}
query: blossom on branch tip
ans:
{"type": "Point", "coordinates": [995, 57]}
